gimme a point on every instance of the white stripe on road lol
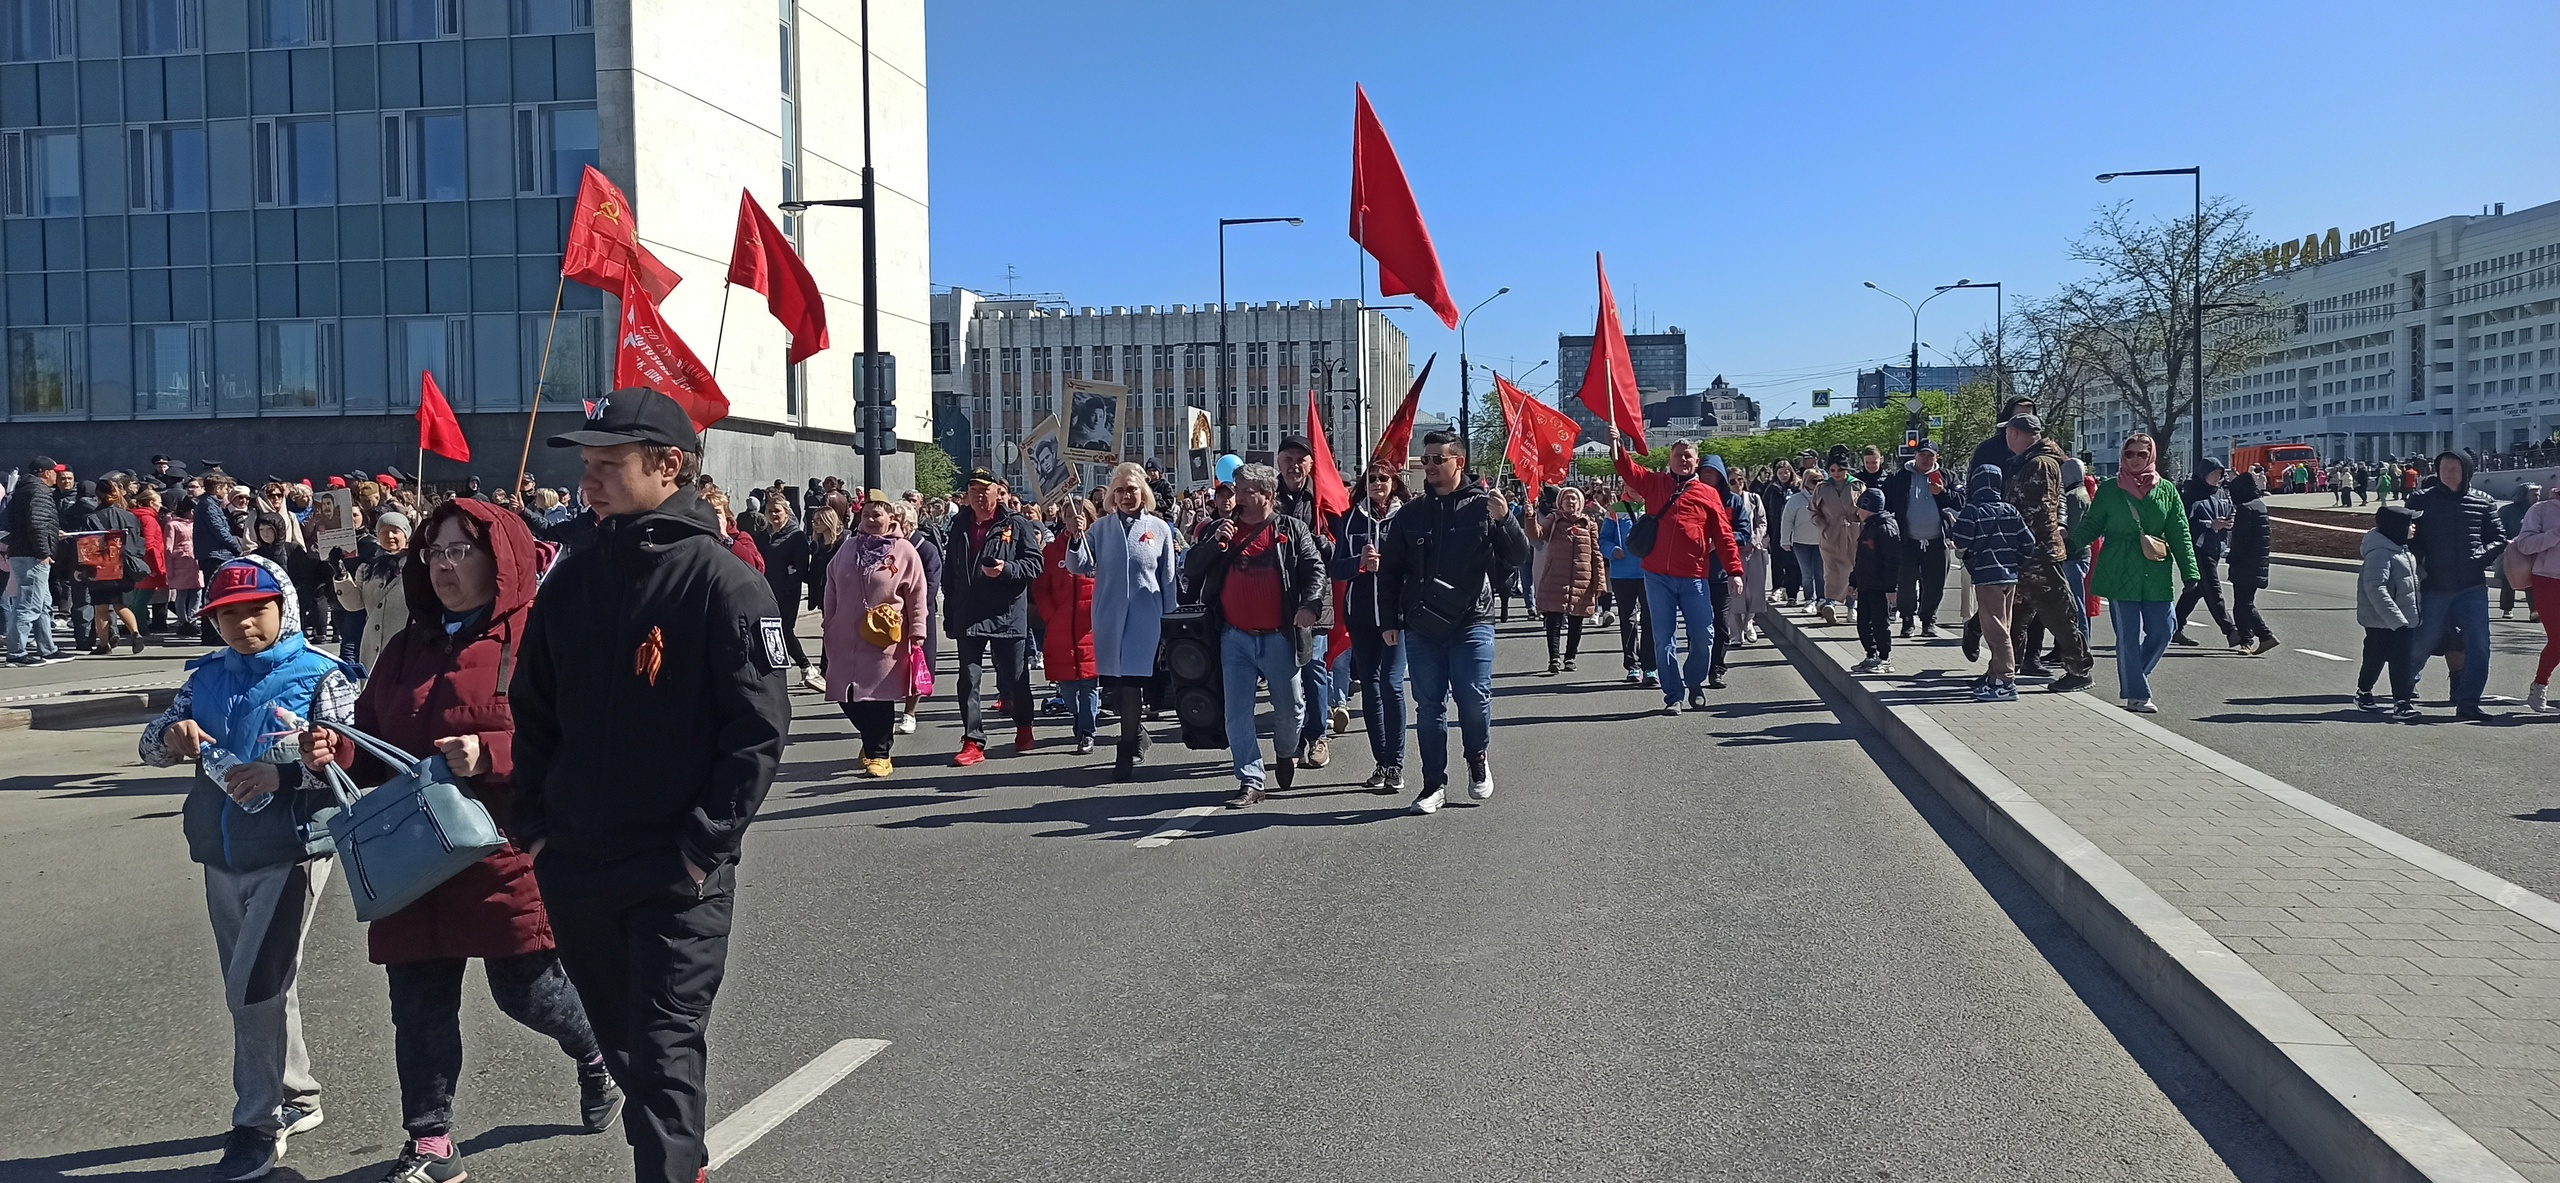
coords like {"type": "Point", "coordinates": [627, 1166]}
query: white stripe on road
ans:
{"type": "Point", "coordinates": [1174, 829]}
{"type": "Point", "coordinates": [740, 1130]}
{"type": "Point", "coordinates": [2320, 655]}
{"type": "Point", "coordinates": [2277, 591]}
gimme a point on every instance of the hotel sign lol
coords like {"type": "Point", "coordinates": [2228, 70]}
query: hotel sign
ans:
{"type": "Point", "coordinates": [2319, 248]}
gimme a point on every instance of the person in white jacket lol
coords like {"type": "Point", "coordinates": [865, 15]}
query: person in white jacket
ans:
{"type": "Point", "coordinates": [2538, 537]}
{"type": "Point", "coordinates": [1804, 537]}
{"type": "Point", "coordinates": [373, 586]}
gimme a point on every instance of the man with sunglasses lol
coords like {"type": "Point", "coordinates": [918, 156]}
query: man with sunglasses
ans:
{"type": "Point", "coordinates": [1437, 570]}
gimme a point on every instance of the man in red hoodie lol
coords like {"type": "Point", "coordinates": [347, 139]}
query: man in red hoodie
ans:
{"type": "Point", "coordinates": [1691, 546]}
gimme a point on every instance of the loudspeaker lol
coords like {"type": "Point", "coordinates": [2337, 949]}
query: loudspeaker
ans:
{"type": "Point", "coordinates": [1187, 663]}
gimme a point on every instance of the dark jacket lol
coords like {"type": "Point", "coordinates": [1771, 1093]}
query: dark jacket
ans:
{"type": "Point", "coordinates": [2252, 535]}
{"type": "Point", "coordinates": [1879, 563]}
{"type": "Point", "coordinates": [2458, 534]}
{"type": "Point", "coordinates": [1360, 594]}
{"type": "Point", "coordinates": [1447, 551]}
{"type": "Point", "coordinates": [648, 695]}
{"type": "Point", "coordinates": [786, 564]}
{"type": "Point", "coordinates": [976, 604]}
{"type": "Point", "coordinates": [33, 525]}
{"type": "Point", "coordinates": [1303, 586]}
{"type": "Point", "coordinates": [1904, 503]}
{"type": "Point", "coordinates": [2205, 507]}
{"type": "Point", "coordinates": [215, 542]}
{"type": "Point", "coordinates": [1988, 531]}
{"type": "Point", "coordinates": [2034, 486]}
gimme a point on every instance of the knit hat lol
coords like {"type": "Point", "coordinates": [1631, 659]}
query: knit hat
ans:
{"type": "Point", "coordinates": [392, 517]}
{"type": "Point", "coordinates": [1839, 455]}
{"type": "Point", "coordinates": [1872, 501]}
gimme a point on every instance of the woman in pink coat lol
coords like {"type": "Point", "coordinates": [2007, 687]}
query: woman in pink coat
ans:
{"type": "Point", "coordinates": [872, 568]}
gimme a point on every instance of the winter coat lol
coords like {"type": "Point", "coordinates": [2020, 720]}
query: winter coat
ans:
{"type": "Point", "coordinates": [178, 539]}
{"type": "Point", "coordinates": [2121, 572]}
{"type": "Point", "coordinates": [743, 545]}
{"type": "Point", "coordinates": [1135, 582]}
{"type": "Point", "coordinates": [1988, 532]}
{"type": "Point", "coordinates": [1361, 528]}
{"type": "Point", "coordinates": [1835, 514]}
{"type": "Point", "coordinates": [428, 684]}
{"type": "Point", "coordinates": [1570, 574]}
{"type": "Point", "coordinates": [977, 604]}
{"type": "Point", "coordinates": [1879, 563]}
{"type": "Point", "coordinates": [1064, 600]}
{"type": "Point", "coordinates": [787, 569]}
{"type": "Point", "coordinates": [857, 670]}
{"type": "Point", "coordinates": [1796, 521]}
{"type": "Point", "coordinates": [2539, 536]}
{"type": "Point", "coordinates": [2387, 587]}
{"type": "Point", "coordinates": [2252, 535]}
{"type": "Point", "coordinates": [1448, 551]}
{"type": "Point", "coordinates": [155, 551]}
{"type": "Point", "coordinates": [1695, 539]}
{"type": "Point", "coordinates": [33, 522]}
{"type": "Point", "coordinates": [2458, 534]}
{"type": "Point", "coordinates": [377, 587]}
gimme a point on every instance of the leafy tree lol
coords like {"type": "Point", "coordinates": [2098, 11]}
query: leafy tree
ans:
{"type": "Point", "coordinates": [934, 470]}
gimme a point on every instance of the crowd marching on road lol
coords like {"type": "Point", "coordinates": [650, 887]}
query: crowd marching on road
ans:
{"type": "Point", "coordinates": [607, 670]}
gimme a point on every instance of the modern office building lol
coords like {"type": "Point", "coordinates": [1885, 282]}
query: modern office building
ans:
{"type": "Point", "coordinates": [998, 364]}
{"type": "Point", "coordinates": [1660, 360]}
{"type": "Point", "coordinates": [1887, 385]}
{"type": "Point", "coordinates": [2407, 342]}
{"type": "Point", "coordinates": [240, 229]}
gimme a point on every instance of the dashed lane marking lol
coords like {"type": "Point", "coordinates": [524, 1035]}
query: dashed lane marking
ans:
{"type": "Point", "coordinates": [2277, 591]}
{"type": "Point", "coordinates": [758, 1117]}
{"type": "Point", "coordinates": [2320, 655]}
{"type": "Point", "coordinates": [1175, 828]}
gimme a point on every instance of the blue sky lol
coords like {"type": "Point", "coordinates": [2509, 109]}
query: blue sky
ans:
{"type": "Point", "coordinates": [1743, 166]}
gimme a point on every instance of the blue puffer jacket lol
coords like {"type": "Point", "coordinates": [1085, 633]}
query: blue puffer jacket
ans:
{"type": "Point", "coordinates": [1988, 531]}
{"type": "Point", "coordinates": [1623, 563]}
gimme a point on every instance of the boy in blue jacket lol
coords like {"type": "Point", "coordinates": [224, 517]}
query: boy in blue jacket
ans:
{"type": "Point", "coordinates": [1626, 583]}
{"type": "Point", "coordinates": [1994, 541]}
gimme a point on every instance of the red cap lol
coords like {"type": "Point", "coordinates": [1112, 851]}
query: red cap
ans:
{"type": "Point", "coordinates": [62, 468]}
{"type": "Point", "coordinates": [387, 481]}
{"type": "Point", "coordinates": [337, 482]}
{"type": "Point", "coordinates": [240, 581]}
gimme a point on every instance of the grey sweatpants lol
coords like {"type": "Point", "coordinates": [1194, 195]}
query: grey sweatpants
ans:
{"type": "Point", "coordinates": [259, 919]}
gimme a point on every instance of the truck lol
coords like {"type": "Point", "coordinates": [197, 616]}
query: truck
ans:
{"type": "Point", "coordinates": [2274, 459]}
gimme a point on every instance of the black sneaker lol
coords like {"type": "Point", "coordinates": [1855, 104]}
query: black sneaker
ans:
{"type": "Point", "coordinates": [1697, 700]}
{"type": "Point", "coordinates": [599, 1099]}
{"type": "Point", "coordinates": [2365, 701]}
{"type": "Point", "coordinates": [2034, 670]}
{"type": "Point", "coordinates": [417, 1166]}
{"type": "Point", "coordinates": [301, 1117]}
{"type": "Point", "coordinates": [249, 1153]}
{"type": "Point", "coordinates": [2183, 641]}
{"type": "Point", "coordinates": [2471, 713]}
{"type": "Point", "coordinates": [2406, 711]}
{"type": "Point", "coordinates": [1715, 679]}
{"type": "Point", "coordinates": [2068, 683]}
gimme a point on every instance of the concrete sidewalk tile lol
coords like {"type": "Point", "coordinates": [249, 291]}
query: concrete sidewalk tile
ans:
{"type": "Point", "coordinates": [2475, 1081]}
{"type": "Point", "coordinates": [2431, 1053]}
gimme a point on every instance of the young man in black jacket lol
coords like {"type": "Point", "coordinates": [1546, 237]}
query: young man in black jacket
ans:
{"type": "Point", "coordinates": [991, 555]}
{"type": "Point", "coordinates": [34, 528]}
{"type": "Point", "coordinates": [1437, 571]}
{"type": "Point", "coordinates": [2457, 537]}
{"type": "Point", "coordinates": [1295, 464]}
{"type": "Point", "coordinates": [2209, 520]}
{"type": "Point", "coordinates": [650, 713]}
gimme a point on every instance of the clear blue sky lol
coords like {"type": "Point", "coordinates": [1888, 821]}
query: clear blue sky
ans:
{"type": "Point", "coordinates": [1743, 166]}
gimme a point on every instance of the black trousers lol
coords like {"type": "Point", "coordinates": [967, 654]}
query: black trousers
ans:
{"type": "Point", "coordinates": [2389, 647]}
{"type": "Point", "coordinates": [2208, 588]}
{"type": "Point", "coordinates": [1012, 657]}
{"type": "Point", "coordinates": [646, 947]}
{"type": "Point", "coordinates": [1567, 630]}
{"type": "Point", "coordinates": [1635, 624]}
{"type": "Point", "coordinates": [1875, 622]}
{"type": "Point", "coordinates": [1924, 578]}
{"type": "Point", "coordinates": [1719, 592]}
{"type": "Point", "coordinates": [878, 723]}
{"type": "Point", "coordinates": [426, 1025]}
{"type": "Point", "coordinates": [2246, 624]}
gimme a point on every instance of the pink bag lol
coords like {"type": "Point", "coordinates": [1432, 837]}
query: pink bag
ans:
{"type": "Point", "coordinates": [919, 672]}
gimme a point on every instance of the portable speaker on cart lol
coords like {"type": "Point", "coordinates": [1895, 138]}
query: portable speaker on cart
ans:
{"type": "Point", "coordinates": [1187, 663]}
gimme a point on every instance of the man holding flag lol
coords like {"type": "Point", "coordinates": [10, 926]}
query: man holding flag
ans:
{"type": "Point", "coordinates": [1437, 570]}
{"type": "Point", "coordinates": [1692, 545]}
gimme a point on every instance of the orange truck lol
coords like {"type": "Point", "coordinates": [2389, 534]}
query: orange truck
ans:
{"type": "Point", "coordinates": [2275, 458]}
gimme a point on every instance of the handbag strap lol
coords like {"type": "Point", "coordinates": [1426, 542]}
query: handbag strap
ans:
{"type": "Point", "coordinates": [340, 785]}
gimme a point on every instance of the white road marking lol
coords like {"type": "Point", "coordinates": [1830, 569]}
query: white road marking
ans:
{"type": "Point", "coordinates": [2320, 655]}
{"type": "Point", "coordinates": [2277, 591]}
{"type": "Point", "coordinates": [758, 1117]}
{"type": "Point", "coordinates": [1174, 829]}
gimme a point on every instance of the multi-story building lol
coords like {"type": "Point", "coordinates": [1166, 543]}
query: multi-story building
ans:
{"type": "Point", "coordinates": [999, 364]}
{"type": "Point", "coordinates": [1660, 360]}
{"type": "Point", "coordinates": [241, 229]}
{"type": "Point", "coordinates": [1731, 411]}
{"type": "Point", "coordinates": [1888, 385]}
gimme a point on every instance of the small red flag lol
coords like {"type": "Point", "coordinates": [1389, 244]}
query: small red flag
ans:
{"type": "Point", "coordinates": [1395, 444]}
{"type": "Point", "coordinates": [1541, 447]}
{"type": "Point", "coordinates": [604, 242]}
{"type": "Point", "coordinates": [650, 354]}
{"type": "Point", "coordinates": [438, 431]}
{"type": "Point", "coordinates": [762, 259]}
{"type": "Point", "coordinates": [1386, 222]}
{"type": "Point", "coordinates": [1333, 499]}
{"type": "Point", "coordinates": [1609, 381]}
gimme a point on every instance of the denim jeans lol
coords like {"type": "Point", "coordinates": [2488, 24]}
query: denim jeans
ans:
{"type": "Point", "coordinates": [1460, 667]}
{"type": "Point", "coordinates": [1249, 661]}
{"type": "Point", "coordinates": [1809, 570]}
{"type": "Point", "coordinates": [1671, 600]}
{"type": "Point", "coordinates": [2142, 635]}
{"type": "Point", "coordinates": [1315, 689]}
{"type": "Point", "coordinates": [1378, 667]}
{"type": "Point", "coordinates": [2467, 610]}
{"type": "Point", "coordinates": [1084, 704]}
{"type": "Point", "coordinates": [2076, 573]}
{"type": "Point", "coordinates": [30, 608]}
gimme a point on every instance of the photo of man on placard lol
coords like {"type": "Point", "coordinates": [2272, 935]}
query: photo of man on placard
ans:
{"type": "Point", "coordinates": [1093, 421]}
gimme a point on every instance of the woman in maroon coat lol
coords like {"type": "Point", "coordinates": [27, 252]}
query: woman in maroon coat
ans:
{"type": "Point", "coordinates": [440, 686]}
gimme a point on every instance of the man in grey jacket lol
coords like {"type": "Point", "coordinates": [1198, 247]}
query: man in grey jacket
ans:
{"type": "Point", "coordinates": [33, 529]}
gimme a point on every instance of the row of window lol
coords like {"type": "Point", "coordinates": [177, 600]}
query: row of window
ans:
{"type": "Point", "coordinates": [296, 161]}
{"type": "Point", "coordinates": [1002, 367]}
{"type": "Point", "coordinates": [47, 30]}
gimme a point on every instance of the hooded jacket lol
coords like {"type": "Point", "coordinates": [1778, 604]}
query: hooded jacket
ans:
{"type": "Point", "coordinates": [1447, 551]}
{"type": "Point", "coordinates": [977, 604]}
{"type": "Point", "coordinates": [1878, 566]}
{"type": "Point", "coordinates": [2034, 486]}
{"type": "Point", "coordinates": [1988, 531]}
{"type": "Point", "coordinates": [2458, 534]}
{"type": "Point", "coordinates": [648, 695]}
{"type": "Point", "coordinates": [2252, 534]}
{"type": "Point", "coordinates": [2206, 506]}
{"type": "Point", "coordinates": [1360, 528]}
{"type": "Point", "coordinates": [2387, 586]}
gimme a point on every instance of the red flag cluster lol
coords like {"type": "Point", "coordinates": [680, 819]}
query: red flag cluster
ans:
{"type": "Point", "coordinates": [1541, 445]}
{"type": "Point", "coordinates": [604, 248]}
{"type": "Point", "coordinates": [652, 355]}
{"type": "Point", "coordinates": [1609, 381]}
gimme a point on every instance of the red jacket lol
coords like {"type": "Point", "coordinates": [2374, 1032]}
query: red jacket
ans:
{"type": "Point", "coordinates": [1693, 524]}
{"type": "Point", "coordinates": [155, 551]}
{"type": "Point", "coordinates": [426, 686]}
{"type": "Point", "coordinates": [744, 546]}
{"type": "Point", "coordinates": [1064, 601]}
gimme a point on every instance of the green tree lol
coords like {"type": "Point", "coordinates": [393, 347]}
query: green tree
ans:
{"type": "Point", "coordinates": [934, 470]}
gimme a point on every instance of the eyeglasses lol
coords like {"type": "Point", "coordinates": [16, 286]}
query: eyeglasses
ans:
{"type": "Point", "coordinates": [1440, 458]}
{"type": "Point", "coordinates": [451, 554]}
{"type": "Point", "coordinates": [1382, 478]}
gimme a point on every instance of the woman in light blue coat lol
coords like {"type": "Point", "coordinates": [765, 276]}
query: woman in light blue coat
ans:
{"type": "Point", "coordinates": [1129, 554]}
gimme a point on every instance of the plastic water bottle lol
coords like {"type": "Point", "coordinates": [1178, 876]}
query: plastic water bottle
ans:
{"type": "Point", "coordinates": [218, 764]}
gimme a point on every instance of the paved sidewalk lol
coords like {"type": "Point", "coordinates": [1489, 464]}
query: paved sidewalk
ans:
{"type": "Point", "coordinates": [2444, 975]}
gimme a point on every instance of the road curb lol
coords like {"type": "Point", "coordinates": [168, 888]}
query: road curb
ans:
{"type": "Point", "coordinates": [2343, 1113]}
{"type": "Point", "coordinates": [90, 710]}
{"type": "Point", "coordinates": [2322, 562]}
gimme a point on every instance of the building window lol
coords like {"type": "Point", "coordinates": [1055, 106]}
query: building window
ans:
{"type": "Point", "coordinates": [421, 20]}
{"type": "Point", "coordinates": [422, 157]}
{"type": "Point", "coordinates": [154, 27]}
{"type": "Point", "coordinates": [290, 24]}
{"type": "Point", "coordinates": [942, 347]}
{"type": "Point", "coordinates": [1040, 369]}
{"type": "Point", "coordinates": [297, 162]}
{"type": "Point", "coordinates": [554, 148]}
{"type": "Point", "coordinates": [44, 374]}
{"type": "Point", "coordinates": [40, 173]}
{"type": "Point", "coordinates": [37, 30]}
{"type": "Point", "coordinates": [1012, 375]}
{"type": "Point", "coordinates": [788, 78]}
{"type": "Point", "coordinates": [578, 366]}
{"type": "Point", "coordinates": [169, 369]}
{"type": "Point", "coordinates": [297, 360]}
{"type": "Point", "coordinates": [164, 168]}
{"type": "Point", "coordinates": [555, 16]}
{"type": "Point", "coordinates": [424, 345]}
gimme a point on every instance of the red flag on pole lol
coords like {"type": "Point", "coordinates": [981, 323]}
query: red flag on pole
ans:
{"type": "Point", "coordinates": [1541, 447]}
{"type": "Point", "coordinates": [1333, 499]}
{"type": "Point", "coordinates": [650, 354]}
{"type": "Point", "coordinates": [1395, 444]}
{"type": "Point", "coordinates": [1609, 381]}
{"type": "Point", "coordinates": [604, 242]}
{"type": "Point", "coordinates": [438, 431]}
{"type": "Point", "coordinates": [761, 258]}
{"type": "Point", "coordinates": [1386, 222]}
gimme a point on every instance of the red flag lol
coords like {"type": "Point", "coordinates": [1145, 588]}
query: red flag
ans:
{"type": "Point", "coordinates": [1541, 447]}
{"type": "Point", "coordinates": [650, 354]}
{"type": "Point", "coordinates": [1513, 415]}
{"type": "Point", "coordinates": [761, 258]}
{"type": "Point", "coordinates": [1385, 221]}
{"type": "Point", "coordinates": [438, 431]}
{"type": "Point", "coordinates": [1332, 498]}
{"type": "Point", "coordinates": [1395, 444]}
{"type": "Point", "coordinates": [1610, 379]}
{"type": "Point", "coordinates": [604, 242]}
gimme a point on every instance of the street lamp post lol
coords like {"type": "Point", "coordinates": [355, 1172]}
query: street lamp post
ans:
{"type": "Point", "coordinates": [1466, 389]}
{"type": "Point", "coordinates": [2195, 338]}
{"type": "Point", "coordinates": [866, 409]}
{"type": "Point", "coordinates": [1226, 397]}
{"type": "Point", "coordinates": [1999, 336]}
{"type": "Point", "coordinates": [1914, 426]}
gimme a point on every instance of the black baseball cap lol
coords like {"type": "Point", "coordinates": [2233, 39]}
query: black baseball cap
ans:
{"type": "Point", "coordinates": [633, 415]}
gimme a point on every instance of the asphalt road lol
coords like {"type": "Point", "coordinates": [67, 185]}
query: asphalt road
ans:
{"type": "Point", "coordinates": [1744, 944]}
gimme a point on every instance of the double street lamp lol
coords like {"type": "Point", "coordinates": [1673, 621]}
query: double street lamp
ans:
{"type": "Point", "coordinates": [1915, 427]}
{"type": "Point", "coordinates": [1466, 389]}
{"type": "Point", "coordinates": [1226, 397]}
{"type": "Point", "coordinates": [2195, 339]}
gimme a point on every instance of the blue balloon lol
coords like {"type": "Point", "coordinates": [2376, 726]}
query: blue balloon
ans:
{"type": "Point", "coordinates": [1227, 466]}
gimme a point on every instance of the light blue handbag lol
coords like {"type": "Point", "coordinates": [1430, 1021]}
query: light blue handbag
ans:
{"type": "Point", "coordinates": [402, 839]}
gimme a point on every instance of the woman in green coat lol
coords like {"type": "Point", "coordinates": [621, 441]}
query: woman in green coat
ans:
{"type": "Point", "coordinates": [2138, 589]}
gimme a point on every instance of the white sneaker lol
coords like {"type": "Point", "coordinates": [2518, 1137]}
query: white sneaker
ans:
{"type": "Point", "coordinates": [1480, 778]}
{"type": "Point", "coordinates": [2141, 706]}
{"type": "Point", "coordinates": [1429, 801]}
{"type": "Point", "coordinates": [906, 724]}
{"type": "Point", "coordinates": [2537, 699]}
{"type": "Point", "coordinates": [1882, 667]}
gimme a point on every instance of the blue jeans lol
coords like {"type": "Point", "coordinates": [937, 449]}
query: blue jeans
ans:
{"type": "Point", "coordinates": [1460, 667]}
{"type": "Point", "coordinates": [2076, 573]}
{"type": "Point", "coordinates": [1379, 669]}
{"type": "Point", "coordinates": [1808, 568]}
{"type": "Point", "coordinates": [1252, 660]}
{"type": "Point", "coordinates": [2467, 610]}
{"type": "Point", "coordinates": [1672, 599]}
{"type": "Point", "coordinates": [1315, 689]}
{"type": "Point", "coordinates": [30, 608]}
{"type": "Point", "coordinates": [1084, 704]}
{"type": "Point", "coordinates": [2143, 628]}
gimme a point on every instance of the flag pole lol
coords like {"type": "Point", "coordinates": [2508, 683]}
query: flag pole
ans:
{"type": "Point", "coordinates": [533, 403]}
{"type": "Point", "coordinates": [720, 336]}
